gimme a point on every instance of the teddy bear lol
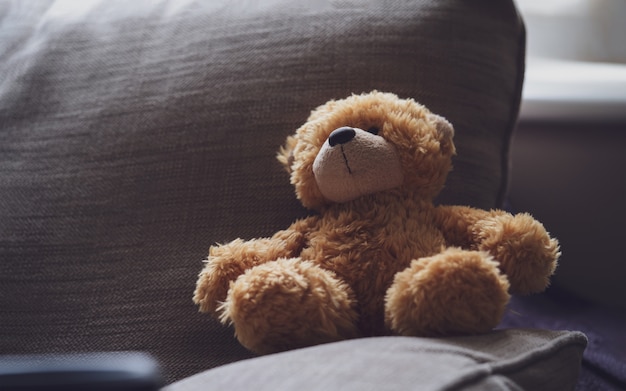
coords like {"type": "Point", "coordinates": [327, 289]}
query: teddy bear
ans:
{"type": "Point", "coordinates": [376, 257]}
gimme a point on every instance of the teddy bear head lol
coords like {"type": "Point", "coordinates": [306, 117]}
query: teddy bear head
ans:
{"type": "Point", "coordinates": [366, 145]}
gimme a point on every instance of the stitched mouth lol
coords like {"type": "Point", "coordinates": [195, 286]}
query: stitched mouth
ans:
{"type": "Point", "coordinates": [345, 159]}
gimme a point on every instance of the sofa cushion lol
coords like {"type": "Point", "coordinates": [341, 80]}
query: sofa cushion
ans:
{"type": "Point", "coordinates": [135, 134]}
{"type": "Point", "coordinates": [513, 359]}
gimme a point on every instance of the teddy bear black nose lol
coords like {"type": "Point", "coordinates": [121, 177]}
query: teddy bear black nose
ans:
{"type": "Point", "coordinates": [341, 136]}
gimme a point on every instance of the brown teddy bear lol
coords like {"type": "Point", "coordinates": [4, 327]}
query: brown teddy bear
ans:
{"type": "Point", "coordinates": [379, 258]}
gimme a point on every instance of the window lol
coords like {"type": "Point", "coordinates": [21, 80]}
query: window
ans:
{"type": "Point", "coordinates": [576, 60]}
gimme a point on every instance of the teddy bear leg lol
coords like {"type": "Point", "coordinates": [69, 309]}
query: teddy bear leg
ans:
{"type": "Point", "coordinates": [455, 292]}
{"type": "Point", "coordinates": [522, 246]}
{"type": "Point", "coordinates": [289, 303]}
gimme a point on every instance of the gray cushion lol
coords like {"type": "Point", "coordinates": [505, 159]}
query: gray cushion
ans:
{"type": "Point", "coordinates": [503, 360]}
{"type": "Point", "coordinates": [135, 134]}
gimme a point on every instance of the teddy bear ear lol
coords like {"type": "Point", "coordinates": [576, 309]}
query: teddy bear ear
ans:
{"type": "Point", "coordinates": [285, 153]}
{"type": "Point", "coordinates": [445, 131]}
{"type": "Point", "coordinates": [444, 127]}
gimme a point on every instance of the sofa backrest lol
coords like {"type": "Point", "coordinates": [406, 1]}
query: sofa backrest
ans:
{"type": "Point", "coordinates": [135, 134]}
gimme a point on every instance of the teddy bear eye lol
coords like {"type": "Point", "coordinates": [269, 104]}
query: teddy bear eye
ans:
{"type": "Point", "coordinates": [373, 130]}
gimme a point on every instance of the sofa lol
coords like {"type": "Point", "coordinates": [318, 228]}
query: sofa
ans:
{"type": "Point", "coordinates": [136, 134]}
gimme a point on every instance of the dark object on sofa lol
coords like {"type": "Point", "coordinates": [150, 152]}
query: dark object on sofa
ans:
{"type": "Point", "coordinates": [120, 371]}
{"type": "Point", "coordinates": [133, 135]}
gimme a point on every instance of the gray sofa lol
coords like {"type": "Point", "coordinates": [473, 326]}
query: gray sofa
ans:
{"type": "Point", "coordinates": [135, 134]}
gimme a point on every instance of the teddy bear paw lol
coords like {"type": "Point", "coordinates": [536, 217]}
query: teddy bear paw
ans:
{"type": "Point", "coordinates": [524, 249]}
{"type": "Point", "coordinates": [286, 304]}
{"type": "Point", "coordinates": [224, 265]}
{"type": "Point", "coordinates": [455, 292]}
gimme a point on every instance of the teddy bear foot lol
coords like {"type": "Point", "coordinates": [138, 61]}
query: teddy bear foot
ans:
{"type": "Point", "coordinates": [455, 292]}
{"type": "Point", "coordinates": [287, 304]}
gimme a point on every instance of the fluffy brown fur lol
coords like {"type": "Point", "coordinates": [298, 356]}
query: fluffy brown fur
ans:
{"type": "Point", "coordinates": [383, 262]}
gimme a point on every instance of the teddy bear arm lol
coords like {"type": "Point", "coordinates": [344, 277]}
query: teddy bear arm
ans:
{"type": "Point", "coordinates": [520, 244]}
{"type": "Point", "coordinates": [457, 224]}
{"type": "Point", "coordinates": [293, 239]}
{"type": "Point", "coordinates": [526, 252]}
{"type": "Point", "coordinates": [228, 261]}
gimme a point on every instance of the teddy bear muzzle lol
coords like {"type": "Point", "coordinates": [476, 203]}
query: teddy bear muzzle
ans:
{"type": "Point", "coordinates": [353, 163]}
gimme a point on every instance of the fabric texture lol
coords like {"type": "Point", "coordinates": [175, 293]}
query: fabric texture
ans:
{"type": "Point", "coordinates": [503, 360]}
{"type": "Point", "coordinates": [135, 134]}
